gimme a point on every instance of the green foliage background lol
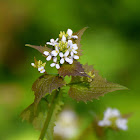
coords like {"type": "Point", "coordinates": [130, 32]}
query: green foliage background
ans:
{"type": "Point", "coordinates": [112, 44]}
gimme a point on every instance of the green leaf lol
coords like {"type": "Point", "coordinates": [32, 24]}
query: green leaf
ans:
{"type": "Point", "coordinates": [40, 48]}
{"type": "Point", "coordinates": [86, 91]}
{"type": "Point", "coordinates": [46, 84]}
{"type": "Point", "coordinates": [77, 41]}
{"type": "Point", "coordinates": [33, 117]}
{"type": "Point", "coordinates": [74, 69]}
{"type": "Point", "coordinates": [45, 109]}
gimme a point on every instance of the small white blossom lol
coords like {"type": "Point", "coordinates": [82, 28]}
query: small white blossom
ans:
{"type": "Point", "coordinates": [55, 52]}
{"type": "Point", "coordinates": [53, 42]}
{"type": "Point", "coordinates": [64, 57]}
{"type": "Point", "coordinates": [70, 32]}
{"type": "Point", "coordinates": [72, 47]}
{"type": "Point", "coordinates": [41, 69]}
{"type": "Point", "coordinates": [112, 116]}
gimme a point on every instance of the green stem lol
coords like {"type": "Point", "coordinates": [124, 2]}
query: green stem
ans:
{"type": "Point", "coordinates": [49, 115]}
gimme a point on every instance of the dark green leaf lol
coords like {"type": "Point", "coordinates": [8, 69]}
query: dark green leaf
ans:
{"type": "Point", "coordinates": [74, 69]}
{"type": "Point", "coordinates": [46, 84]}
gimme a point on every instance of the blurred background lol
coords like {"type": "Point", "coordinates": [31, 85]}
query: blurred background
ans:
{"type": "Point", "coordinates": [111, 44]}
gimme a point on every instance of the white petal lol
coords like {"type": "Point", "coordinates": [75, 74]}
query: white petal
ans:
{"type": "Point", "coordinates": [75, 47]}
{"type": "Point", "coordinates": [67, 59]}
{"type": "Point", "coordinates": [49, 58]}
{"type": "Point", "coordinates": [57, 66]}
{"type": "Point", "coordinates": [69, 32]}
{"type": "Point", "coordinates": [52, 64]}
{"type": "Point", "coordinates": [61, 54]}
{"type": "Point", "coordinates": [70, 43]}
{"type": "Point", "coordinates": [66, 53]}
{"type": "Point", "coordinates": [33, 64]}
{"type": "Point", "coordinates": [63, 38]}
{"type": "Point", "coordinates": [52, 40]}
{"type": "Point", "coordinates": [62, 61]}
{"type": "Point", "coordinates": [72, 54]}
{"type": "Point", "coordinates": [56, 39]}
{"type": "Point", "coordinates": [48, 43]}
{"type": "Point", "coordinates": [54, 53]}
{"type": "Point", "coordinates": [74, 36]}
{"type": "Point", "coordinates": [56, 48]}
{"type": "Point", "coordinates": [74, 51]}
{"type": "Point", "coordinates": [42, 71]}
{"type": "Point", "coordinates": [71, 61]}
{"type": "Point", "coordinates": [122, 123]}
{"type": "Point", "coordinates": [40, 68]}
{"type": "Point", "coordinates": [76, 57]}
{"type": "Point", "coordinates": [46, 53]}
{"type": "Point", "coordinates": [55, 59]}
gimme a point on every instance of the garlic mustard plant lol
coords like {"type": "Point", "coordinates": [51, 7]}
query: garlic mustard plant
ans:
{"type": "Point", "coordinates": [85, 84]}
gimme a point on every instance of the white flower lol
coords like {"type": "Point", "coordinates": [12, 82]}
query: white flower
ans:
{"type": "Point", "coordinates": [56, 65]}
{"type": "Point", "coordinates": [53, 42]}
{"type": "Point", "coordinates": [113, 117]}
{"type": "Point", "coordinates": [41, 69]}
{"type": "Point", "coordinates": [55, 52]}
{"type": "Point", "coordinates": [122, 123]}
{"type": "Point", "coordinates": [64, 57]}
{"type": "Point", "coordinates": [72, 47]}
{"type": "Point", "coordinates": [70, 32]}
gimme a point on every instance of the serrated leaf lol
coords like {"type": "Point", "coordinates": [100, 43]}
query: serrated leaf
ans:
{"type": "Point", "coordinates": [97, 87]}
{"type": "Point", "coordinates": [44, 108]}
{"type": "Point", "coordinates": [46, 84]}
{"type": "Point", "coordinates": [40, 48]}
{"type": "Point", "coordinates": [77, 41]}
{"type": "Point", "coordinates": [74, 69]}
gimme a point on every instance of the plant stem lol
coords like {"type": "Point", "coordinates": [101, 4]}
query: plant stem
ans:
{"type": "Point", "coordinates": [49, 115]}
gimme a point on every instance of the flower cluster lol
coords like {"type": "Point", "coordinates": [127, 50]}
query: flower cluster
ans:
{"type": "Point", "coordinates": [39, 65]}
{"type": "Point", "coordinates": [65, 50]}
{"type": "Point", "coordinates": [112, 118]}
